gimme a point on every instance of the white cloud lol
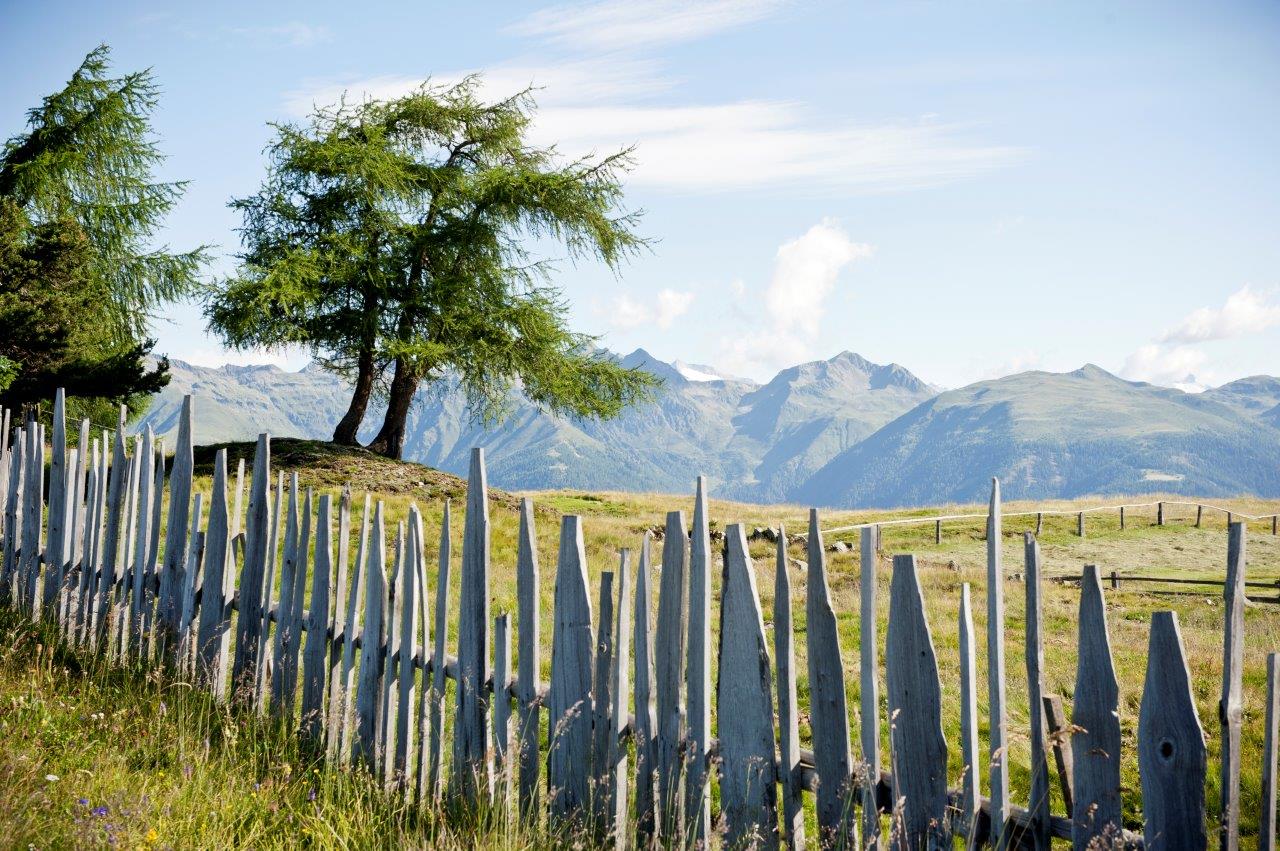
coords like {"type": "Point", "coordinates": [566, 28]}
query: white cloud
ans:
{"type": "Point", "coordinates": [805, 272]}
{"type": "Point", "coordinates": [1244, 312]}
{"type": "Point", "coordinates": [626, 313]}
{"type": "Point", "coordinates": [290, 34]}
{"type": "Point", "coordinates": [1172, 366]}
{"type": "Point", "coordinates": [628, 24]}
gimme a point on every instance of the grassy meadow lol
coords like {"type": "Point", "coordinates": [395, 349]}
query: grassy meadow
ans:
{"type": "Point", "coordinates": [144, 762]}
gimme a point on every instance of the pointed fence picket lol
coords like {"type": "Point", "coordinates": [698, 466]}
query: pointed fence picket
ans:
{"type": "Point", "coordinates": [353, 658]}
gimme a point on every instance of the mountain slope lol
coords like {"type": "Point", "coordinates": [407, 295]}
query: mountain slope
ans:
{"type": "Point", "coordinates": [753, 442]}
{"type": "Point", "coordinates": [1053, 435]}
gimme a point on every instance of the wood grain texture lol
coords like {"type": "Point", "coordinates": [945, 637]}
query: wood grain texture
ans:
{"type": "Point", "coordinates": [257, 539]}
{"type": "Point", "coordinates": [315, 665]}
{"type": "Point", "coordinates": [828, 712]}
{"type": "Point", "coordinates": [997, 700]}
{"type": "Point", "coordinates": [915, 710]}
{"type": "Point", "coordinates": [438, 654]}
{"type": "Point", "coordinates": [698, 675]}
{"type": "Point", "coordinates": [748, 773]}
{"type": "Point", "coordinates": [472, 775]}
{"type": "Point", "coordinates": [528, 676]}
{"type": "Point", "coordinates": [646, 726]}
{"type": "Point", "coordinates": [1095, 714]}
{"type": "Point", "coordinates": [869, 675]}
{"type": "Point", "coordinates": [369, 690]}
{"type": "Point", "coordinates": [176, 532]}
{"type": "Point", "coordinates": [788, 703]}
{"type": "Point", "coordinates": [970, 779]}
{"type": "Point", "coordinates": [1270, 746]}
{"type": "Point", "coordinates": [569, 752]}
{"type": "Point", "coordinates": [282, 638]}
{"type": "Point", "coordinates": [601, 706]}
{"type": "Point", "coordinates": [618, 807]}
{"type": "Point", "coordinates": [337, 686]}
{"type": "Point", "coordinates": [407, 647]}
{"type": "Point", "coordinates": [1033, 653]}
{"type": "Point", "coordinates": [502, 709]}
{"type": "Point", "coordinates": [1231, 704]}
{"type": "Point", "coordinates": [213, 628]}
{"type": "Point", "coordinates": [1171, 749]}
{"type": "Point", "coordinates": [669, 647]}
{"type": "Point", "coordinates": [345, 714]}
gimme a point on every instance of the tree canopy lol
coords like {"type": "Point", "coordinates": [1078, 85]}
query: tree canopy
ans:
{"type": "Point", "coordinates": [393, 239]}
{"type": "Point", "coordinates": [79, 211]}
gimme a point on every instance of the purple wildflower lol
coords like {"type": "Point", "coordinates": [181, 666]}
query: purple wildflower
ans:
{"type": "Point", "coordinates": [84, 802]}
{"type": "Point", "coordinates": [100, 811]}
{"type": "Point", "coordinates": [311, 796]}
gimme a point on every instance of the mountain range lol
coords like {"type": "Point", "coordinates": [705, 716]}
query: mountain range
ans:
{"type": "Point", "coordinates": [839, 432]}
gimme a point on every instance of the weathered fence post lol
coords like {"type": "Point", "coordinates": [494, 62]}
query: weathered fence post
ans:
{"type": "Point", "coordinates": [257, 539]}
{"type": "Point", "coordinates": [996, 697]}
{"type": "Point", "coordinates": [345, 716]}
{"type": "Point", "coordinates": [502, 712]}
{"type": "Point", "coordinates": [748, 778]}
{"type": "Point", "coordinates": [1159, 513]}
{"type": "Point", "coordinates": [472, 766]}
{"type": "Point", "coordinates": [829, 716]}
{"type": "Point", "coordinates": [646, 729]}
{"type": "Point", "coordinates": [1231, 706]}
{"type": "Point", "coordinates": [1080, 524]}
{"type": "Point", "coordinates": [1199, 515]}
{"type": "Point", "coordinates": [314, 654]}
{"type": "Point", "coordinates": [439, 653]}
{"type": "Point", "coordinates": [1056, 718]}
{"type": "Point", "coordinates": [870, 685]}
{"type": "Point", "coordinates": [788, 704]}
{"type": "Point", "coordinates": [915, 707]}
{"type": "Point", "coordinates": [970, 782]}
{"type": "Point", "coordinates": [1271, 743]}
{"type": "Point", "coordinates": [1095, 714]}
{"type": "Point", "coordinates": [407, 608]}
{"type": "Point", "coordinates": [335, 714]}
{"type": "Point", "coordinates": [569, 751]}
{"type": "Point", "coordinates": [698, 675]}
{"type": "Point", "coordinates": [1171, 749]}
{"type": "Point", "coordinates": [601, 704]}
{"type": "Point", "coordinates": [669, 645]}
{"type": "Point", "coordinates": [54, 555]}
{"type": "Point", "coordinates": [527, 676]}
{"type": "Point", "coordinates": [1038, 804]}
{"type": "Point", "coordinates": [1122, 518]}
{"type": "Point", "coordinates": [369, 689]}
{"type": "Point", "coordinates": [937, 532]}
{"type": "Point", "coordinates": [616, 818]}
{"type": "Point", "coordinates": [1040, 522]}
{"type": "Point", "coordinates": [180, 476]}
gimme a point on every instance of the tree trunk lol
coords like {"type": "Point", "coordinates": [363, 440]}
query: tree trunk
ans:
{"type": "Point", "coordinates": [345, 433]}
{"type": "Point", "coordinates": [390, 439]}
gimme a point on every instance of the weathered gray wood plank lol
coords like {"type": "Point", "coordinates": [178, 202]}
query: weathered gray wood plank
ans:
{"type": "Point", "coordinates": [249, 620]}
{"type": "Point", "coordinates": [528, 675]}
{"type": "Point", "coordinates": [186, 634]}
{"type": "Point", "coordinates": [439, 651]}
{"type": "Point", "coordinates": [265, 663]}
{"type": "Point", "coordinates": [281, 640]}
{"type": "Point", "coordinates": [422, 791]}
{"type": "Point", "coordinates": [1038, 802]}
{"type": "Point", "coordinates": [669, 646]}
{"type": "Point", "coordinates": [748, 773]}
{"type": "Point", "coordinates": [117, 482]}
{"type": "Point", "coordinates": [646, 728]}
{"type": "Point", "coordinates": [619, 691]}
{"type": "Point", "coordinates": [147, 497]}
{"type": "Point", "coordinates": [569, 753]}
{"type": "Point", "coordinates": [788, 704]}
{"type": "Point", "coordinates": [297, 612]}
{"type": "Point", "coordinates": [601, 704]}
{"type": "Point", "coordinates": [828, 711]}
{"type": "Point", "coordinates": [869, 696]}
{"type": "Point", "coordinates": [55, 557]}
{"type": "Point", "coordinates": [915, 705]}
{"type": "Point", "coordinates": [970, 780]}
{"type": "Point", "coordinates": [369, 689]}
{"type": "Point", "coordinates": [388, 718]}
{"type": "Point", "coordinates": [407, 606]}
{"type": "Point", "coordinates": [175, 545]}
{"type": "Point", "coordinates": [472, 775]}
{"type": "Point", "coordinates": [353, 628]}
{"type": "Point", "coordinates": [1270, 746]}
{"type": "Point", "coordinates": [315, 665]}
{"type": "Point", "coordinates": [1060, 733]}
{"type": "Point", "coordinates": [698, 675]}
{"type": "Point", "coordinates": [502, 711]}
{"type": "Point", "coordinates": [336, 714]}
{"type": "Point", "coordinates": [1171, 751]}
{"type": "Point", "coordinates": [1231, 705]}
{"type": "Point", "coordinates": [997, 700]}
{"type": "Point", "coordinates": [1095, 714]}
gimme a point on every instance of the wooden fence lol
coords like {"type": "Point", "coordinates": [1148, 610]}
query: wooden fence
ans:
{"type": "Point", "coordinates": [276, 618]}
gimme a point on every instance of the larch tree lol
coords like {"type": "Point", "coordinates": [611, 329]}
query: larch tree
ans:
{"type": "Point", "coordinates": [395, 241]}
{"type": "Point", "coordinates": [80, 276]}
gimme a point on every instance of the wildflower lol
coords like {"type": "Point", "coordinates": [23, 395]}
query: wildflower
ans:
{"type": "Point", "coordinates": [84, 802]}
{"type": "Point", "coordinates": [52, 778]}
{"type": "Point", "coordinates": [311, 796]}
{"type": "Point", "coordinates": [99, 811]}
{"type": "Point", "coordinates": [152, 835]}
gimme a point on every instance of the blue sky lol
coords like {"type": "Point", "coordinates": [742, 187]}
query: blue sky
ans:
{"type": "Point", "coordinates": [968, 189]}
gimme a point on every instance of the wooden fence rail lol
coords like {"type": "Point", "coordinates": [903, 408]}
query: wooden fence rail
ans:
{"type": "Point", "coordinates": [277, 619]}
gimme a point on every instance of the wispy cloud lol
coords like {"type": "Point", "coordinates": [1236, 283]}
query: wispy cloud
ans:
{"type": "Point", "coordinates": [631, 24]}
{"type": "Point", "coordinates": [626, 313]}
{"type": "Point", "coordinates": [289, 34]}
{"type": "Point", "coordinates": [1176, 358]}
{"type": "Point", "coordinates": [1246, 311]}
{"type": "Point", "coordinates": [805, 272]}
